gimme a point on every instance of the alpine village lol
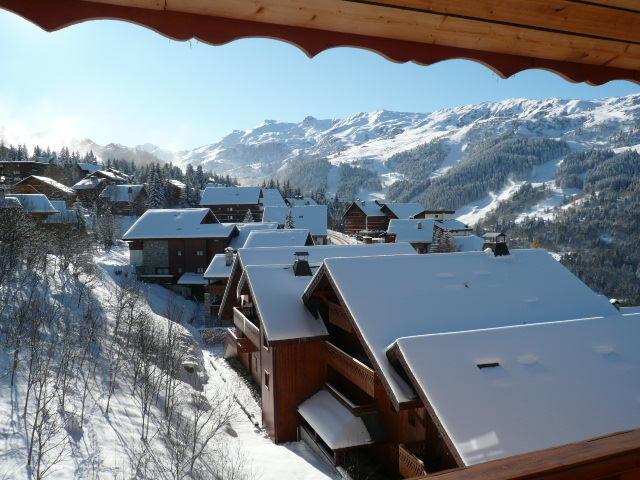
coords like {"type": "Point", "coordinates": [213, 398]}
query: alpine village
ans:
{"type": "Point", "coordinates": [321, 315]}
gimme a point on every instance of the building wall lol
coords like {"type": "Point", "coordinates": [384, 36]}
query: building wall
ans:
{"type": "Point", "coordinates": [354, 221]}
{"type": "Point", "coordinates": [235, 213]}
{"type": "Point", "coordinates": [155, 254]}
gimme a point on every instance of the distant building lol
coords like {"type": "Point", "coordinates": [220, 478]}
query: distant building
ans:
{"type": "Point", "coordinates": [440, 214]}
{"type": "Point", "coordinates": [36, 205]}
{"type": "Point", "coordinates": [417, 232]}
{"type": "Point", "coordinates": [230, 204]}
{"type": "Point", "coordinates": [310, 217]}
{"type": "Point", "coordinates": [174, 191]}
{"type": "Point", "coordinates": [374, 216]}
{"type": "Point", "coordinates": [300, 201]}
{"type": "Point", "coordinates": [53, 189]}
{"type": "Point", "coordinates": [279, 238]}
{"type": "Point", "coordinates": [271, 197]}
{"type": "Point", "coordinates": [14, 172]}
{"type": "Point", "coordinates": [165, 244]}
{"type": "Point", "coordinates": [125, 199]}
{"type": "Point", "coordinates": [90, 187]}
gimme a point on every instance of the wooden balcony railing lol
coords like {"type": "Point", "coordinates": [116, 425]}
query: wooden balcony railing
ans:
{"type": "Point", "coordinates": [351, 368]}
{"type": "Point", "coordinates": [338, 317]}
{"type": "Point", "coordinates": [246, 326]}
{"type": "Point", "coordinates": [409, 464]}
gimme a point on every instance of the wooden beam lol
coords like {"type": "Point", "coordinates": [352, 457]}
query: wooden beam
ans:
{"type": "Point", "coordinates": [598, 458]}
{"type": "Point", "coordinates": [316, 27]}
{"type": "Point", "coordinates": [383, 20]}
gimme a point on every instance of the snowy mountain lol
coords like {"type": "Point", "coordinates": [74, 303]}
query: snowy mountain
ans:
{"type": "Point", "coordinates": [370, 139]}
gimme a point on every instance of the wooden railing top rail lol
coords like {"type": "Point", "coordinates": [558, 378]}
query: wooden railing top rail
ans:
{"type": "Point", "coordinates": [246, 326]}
{"type": "Point", "coordinates": [409, 465]}
{"type": "Point", "coordinates": [360, 374]}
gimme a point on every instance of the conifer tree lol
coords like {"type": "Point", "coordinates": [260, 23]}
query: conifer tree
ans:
{"type": "Point", "coordinates": [248, 217]}
{"type": "Point", "coordinates": [289, 223]}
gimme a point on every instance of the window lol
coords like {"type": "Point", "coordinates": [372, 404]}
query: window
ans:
{"type": "Point", "coordinates": [179, 253]}
{"type": "Point", "coordinates": [200, 253]}
{"type": "Point", "coordinates": [162, 271]}
{"type": "Point", "coordinates": [200, 270]}
{"type": "Point", "coordinates": [179, 269]}
{"type": "Point", "coordinates": [266, 379]}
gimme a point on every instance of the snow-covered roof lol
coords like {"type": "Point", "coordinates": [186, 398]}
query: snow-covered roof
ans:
{"type": "Point", "coordinates": [293, 201]}
{"type": "Point", "coordinates": [89, 167]}
{"type": "Point", "coordinates": [333, 422]}
{"type": "Point", "coordinates": [629, 310]}
{"type": "Point", "coordinates": [177, 223]}
{"type": "Point", "coordinates": [317, 253]}
{"type": "Point", "coordinates": [412, 230]}
{"type": "Point", "coordinates": [190, 278]}
{"type": "Point", "coordinates": [277, 295]}
{"type": "Point", "coordinates": [35, 202]}
{"type": "Point", "coordinates": [51, 182]}
{"type": "Point", "coordinates": [468, 243]}
{"type": "Point", "coordinates": [87, 183]}
{"type": "Point", "coordinates": [218, 267]}
{"type": "Point", "coordinates": [452, 224]}
{"type": "Point", "coordinates": [64, 215]}
{"type": "Point", "coordinates": [10, 202]}
{"type": "Point", "coordinates": [555, 383]}
{"type": "Point", "coordinates": [370, 208]}
{"type": "Point", "coordinates": [311, 217]}
{"type": "Point", "coordinates": [122, 193]}
{"type": "Point", "coordinates": [405, 210]}
{"type": "Point", "coordinates": [278, 238]}
{"type": "Point", "coordinates": [230, 196]}
{"type": "Point", "coordinates": [244, 229]}
{"type": "Point", "coordinates": [397, 296]}
{"type": "Point", "coordinates": [177, 183]}
{"type": "Point", "coordinates": [271, 197]}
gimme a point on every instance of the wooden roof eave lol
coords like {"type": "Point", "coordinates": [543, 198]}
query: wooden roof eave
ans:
{"type": "Point", "coordinates": [592, 42]}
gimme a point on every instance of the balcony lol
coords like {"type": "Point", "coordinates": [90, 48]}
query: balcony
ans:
{"type": "Point", "coordinates": [246, 326]}
{"type": "Point", "coordinates": [351, 368]}
{"type": "Point", "coordinates": [338, 318]}
{"type": "Point", "coordinates": [409, 464]}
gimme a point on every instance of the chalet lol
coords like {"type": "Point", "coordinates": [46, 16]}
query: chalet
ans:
{"type": "Point", "coordinates": [125, 199]}
{"type": "Point", "coordinates": [14, 172]}
{"type": "Point", "coordinates": [174, 191]}
{"type": "Point", "coordinates": [440, 214]}
{"type": "Point", "coordinates": [374, 216]}
{"type": "Point", "coordinates": [299, 201]}
{"type": "Point", "coordinates": [90, 187]}
{"type": "Point", "coordinates": [453, 226]}
{"type": "Point", "coordinates": [460, 290]}
{"type": "Point", "coordinates": [528, 384]}
{"type": "Point", "coordinates": [218, 272]}
{"type": "Point", "coordinates": [85, 168]}
{"type": "Point", "coordinates": [36, 205]}
{"type": "Point", "coordinates": [417, 232]}
{"type": "Point", "coordinates": [275, 336]}
{"type": "Point", "coordinates": [47, 186]}
{"type": "Point", "coordinates": [310, 217]}
{"type": "Point", "coordinates": [230, 204]}
{"type": "Point", "coordinates": [271, 197]}
{"type": "Point", "coordinates": [279, 238]}
{"type": "Point", "coordinates": [65, 216]}
{"type": "Point", "coordinates": [165, 244]}
{"type": "Point", "coordinates": [284, 255]}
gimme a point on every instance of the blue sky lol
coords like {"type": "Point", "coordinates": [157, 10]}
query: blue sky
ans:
{"type": "Point", "coordinates": [115, 82]}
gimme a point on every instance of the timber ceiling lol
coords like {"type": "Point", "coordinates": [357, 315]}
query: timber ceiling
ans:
{"type": "Point", "coordinates": [583, 40]}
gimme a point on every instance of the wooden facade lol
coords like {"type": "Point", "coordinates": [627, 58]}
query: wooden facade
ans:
{"type": "Point", "coordinates": [33, 184]}
{"type": "Point", "coordinates": [355, 220]}
{"type": "Point", "coordinates": [235, 213]}
{"type": "Point", "coordinates": [14, 172]}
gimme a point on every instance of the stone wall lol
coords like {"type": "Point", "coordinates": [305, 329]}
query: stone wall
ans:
{"type": "Point", "coordinates": [155, 254]}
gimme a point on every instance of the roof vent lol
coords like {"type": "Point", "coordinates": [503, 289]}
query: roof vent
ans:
{"type": "Point", "coordinates": [482, 366]}
{"type": "Point", "coordinates": [496, 242]}
{"type": "Point", "coordinates": [228, 256]}
{"type": "Point", "coordinates": [301, 266]}
{"type": "Point", "coordinates": [419, 225]}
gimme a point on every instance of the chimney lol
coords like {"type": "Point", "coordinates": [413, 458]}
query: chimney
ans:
{"type": "Point", "coordinates": [228, 256]}
{"type": "Point", "coordinates": [301, 266]}
{"type": "Point", "coordinates": [497, 242]}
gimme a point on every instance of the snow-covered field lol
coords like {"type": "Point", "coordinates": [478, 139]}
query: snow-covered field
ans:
{"type": "Point", "coordinates": [110, 446]}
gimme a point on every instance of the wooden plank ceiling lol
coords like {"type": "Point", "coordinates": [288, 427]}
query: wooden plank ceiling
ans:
{"type": "Point", "coordinates": [583, 40]}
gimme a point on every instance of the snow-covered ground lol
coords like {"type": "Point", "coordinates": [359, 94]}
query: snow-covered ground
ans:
{"type": "Point", "coordinates": [110, 447]}
{"type": "Point", "coordinates": [476, 211]}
